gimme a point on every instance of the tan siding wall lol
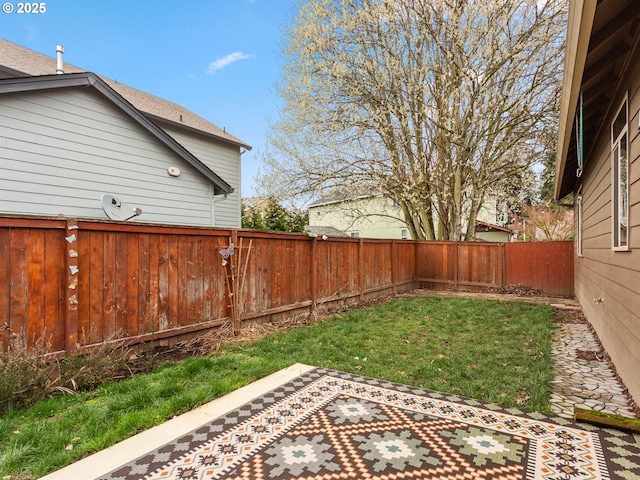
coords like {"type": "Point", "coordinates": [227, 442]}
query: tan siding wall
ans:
{"type": "Point", "coordinates": [60, 150]}
{"type": "Point", "coordinates": [224, 160]}
{"type": "Point", "coordinates": [607, 283]}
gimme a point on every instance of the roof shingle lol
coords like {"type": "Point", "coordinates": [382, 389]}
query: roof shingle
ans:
{"type": "Point", "coordinates": [16, 60]}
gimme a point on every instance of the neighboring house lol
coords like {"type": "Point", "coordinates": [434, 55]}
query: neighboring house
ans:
{"type": "Point", "coordinates": [375, 216]}
{"type": "Point", "coordinates": [67, 139]}
{"type": "Point", "coordinates": [319, 231]}
{"type": "Point", "coordinates": [368, 216]}
{"type": "Point", "coordinates": [601, 169]}
{"type": "Point", "coordinates": [488, 232]}
{"type": "Point", "coordinates": [256, 204]}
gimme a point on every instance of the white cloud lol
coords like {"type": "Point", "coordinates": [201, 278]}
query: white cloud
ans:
{"type": "Point", "coordinates": [32, 32]}
{"type": "Point", "coordinates": [221, 63]}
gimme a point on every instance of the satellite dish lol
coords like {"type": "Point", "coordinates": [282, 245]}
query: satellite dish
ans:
{"type": "Point", "coordinates": [116, 209]}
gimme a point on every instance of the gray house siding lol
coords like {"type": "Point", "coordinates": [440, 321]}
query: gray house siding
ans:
{"type": "Point", "coordinates": [607, 282]}
{"type": "Point", "coordinates": [224, 159]}
{"type": "Point", "coordinates": [61, 149]}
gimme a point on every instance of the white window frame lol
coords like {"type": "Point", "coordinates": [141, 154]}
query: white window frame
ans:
{"type": "Point", "coordinates": [578, 223]}
{"type": "Point", "coordinates": [620, 189]}
{"type": "Point", "coordinates": [404, 233]}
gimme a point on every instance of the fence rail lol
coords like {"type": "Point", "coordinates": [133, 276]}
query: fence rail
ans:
{"type": "Point", "coordinates": [79, 283]}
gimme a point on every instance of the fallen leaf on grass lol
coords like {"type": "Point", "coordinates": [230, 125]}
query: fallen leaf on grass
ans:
{"type": "Point", "coordinates": [70, 445]}
{"type": "Point", "coordinates": [524, 397]}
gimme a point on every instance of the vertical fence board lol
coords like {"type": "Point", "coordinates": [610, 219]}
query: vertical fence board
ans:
{"type": "Point", "coordinates": [188, 277]}
{"type": "Point", "coordinates": [132, 283]}
{"type": "Point", "coordinates": [171, 302]}
{"type": "Point", "coordinates": [250, 285]}
{"type": "Point", "coordinates": [206, 270]}
{"type": "Point", "coordinates": [301, 276]}
{"type": "Point", "coordinates": [168, 252]}
{"type": "Point", "coordinates": [184, 258]}
{"type": "Point", "coordinates": [121, 285]}
{"type": "Point", "coordinates": [71, 277]}
{"type": "Point", "coordinates": [5, 281]}
{"type": "Point", "coordinates": [5, 293]}
{"type": "Point", "coordinates": [199, 281]}
{"type": "Point", "coordinates": [110, 306]}
{"type": "Point", "coordinates": [35, 287]}
{"type": "Point", "coordinates": [260, 266]}
{"type": "Point", "coordinates": [19, 282]}
{"type": "Point", "coordinates": [144, 276]}
{"type": "Point", "coordinates": [314, 274]}
{"type": "Point", "coordinates": [154, 283]}
{"type": "Point", "coordinates": [55, 288]}
{"type": "Point", "coordinates": [96, 289]}
{"type": "Point", "coordinates": [85, 293]}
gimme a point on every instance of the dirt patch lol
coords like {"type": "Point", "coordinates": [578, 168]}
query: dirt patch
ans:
{"type": "Point", "coordinates": [518, 289]}
{"type": "Point", "coordinates": [592, 356]}
{"type": "Point", "coordinates": [569, 315]}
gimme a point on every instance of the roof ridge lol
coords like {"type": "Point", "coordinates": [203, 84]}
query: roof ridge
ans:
{"type": "Point", "coordinates": [17, 58]}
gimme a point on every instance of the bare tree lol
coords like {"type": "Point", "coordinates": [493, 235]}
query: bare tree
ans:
{"type": "Point", "coordinates": [435, 103]}
{"type": "Point", "coordinates": [549, 221]}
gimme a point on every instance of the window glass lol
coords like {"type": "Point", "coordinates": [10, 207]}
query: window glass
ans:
{"type": "Point", "coordinates": [620, 122]}
{"type": "Point", "coordinates": [578, 224]}
{"type": "Point", "coordinates": [620, 186]}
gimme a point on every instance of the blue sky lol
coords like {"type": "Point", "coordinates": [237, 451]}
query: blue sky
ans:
{"type": "Point", "coordinates": [218, 58]}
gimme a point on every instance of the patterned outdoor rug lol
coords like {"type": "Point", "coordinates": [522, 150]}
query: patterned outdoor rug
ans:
{"type": "Point", "coordinates": [326, 424]}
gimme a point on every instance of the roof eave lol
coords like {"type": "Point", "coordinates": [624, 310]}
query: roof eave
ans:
{"type": "Point", "coordinates": [494, 226]}
{"type": "Point", "coordinates": [336, 201]}
{"type": "Point", "coordinates": [157, 118]}
{"type": "Point", "coordinates": [581, 16]}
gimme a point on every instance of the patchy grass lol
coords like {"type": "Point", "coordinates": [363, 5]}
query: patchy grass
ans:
{"type": "Point", "coordinates": [490, 350]}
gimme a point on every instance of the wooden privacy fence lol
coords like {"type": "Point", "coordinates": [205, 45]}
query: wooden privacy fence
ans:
{"type": "Point", "coordinates": [81, 283]}
{"type": "Point", "coordinates": [545, 266]}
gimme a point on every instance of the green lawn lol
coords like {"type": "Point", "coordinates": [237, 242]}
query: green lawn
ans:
{"type": "Point", "coordinates": [489, 350]}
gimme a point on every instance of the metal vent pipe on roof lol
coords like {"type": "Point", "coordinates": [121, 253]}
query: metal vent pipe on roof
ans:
{"type": "Point", "coordinates": [59, 66]}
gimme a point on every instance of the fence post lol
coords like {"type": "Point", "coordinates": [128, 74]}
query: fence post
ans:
{"type": "Point", "coordinates": [416, 263]}
{"type": "Point", "coordinates": [314, 274]}
{"type": "Point", "coordinates": [361, 267]}
{"type": "Point", "coordinates": [234, 295]}
{"type": "Point", "coordinates": [5, 276]}
{"type": "Point", "coordinates": [71, 274]}
{"type": "Point", "coordinates": [393, 264]}
{"type": "Point", "coordinates": [503, 259]}
{"type": "Point", "coordinates": [456, 260]}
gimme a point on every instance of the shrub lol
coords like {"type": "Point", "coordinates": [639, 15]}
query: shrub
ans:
{"type": "Point", "coordinates": [27, 376]}
{"type": "Point", "coordinates": [23, 374]}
